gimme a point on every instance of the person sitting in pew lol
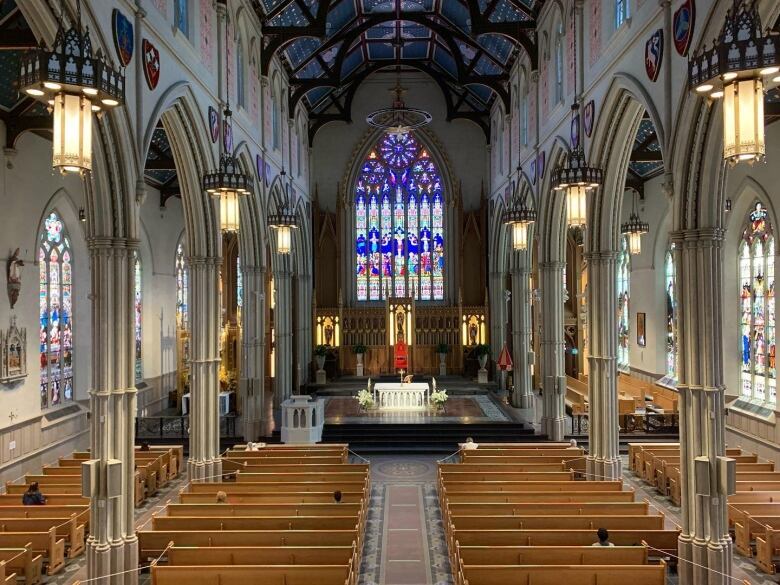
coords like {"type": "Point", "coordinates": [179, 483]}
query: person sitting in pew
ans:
{"type": "Point", "coordinates": [221, 497]}
{"type": "Point", "coordinates": [144, 447]}
{"type": "Point", "coordinates": [469, 444]}
{"type": "Point", "coordinates": [337, 496]}
{"type": "Point", "coordinates": [33, 496]}
{"type": "Point", "coordinates": [603, 535]}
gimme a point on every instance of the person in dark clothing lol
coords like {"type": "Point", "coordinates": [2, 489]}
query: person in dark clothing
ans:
{"type": "Point", "coordinates": [603, 536]}
{"type": "Point", "coordinates": [337, 496]}
{"type": "Point", "coordinates": [33, 496]}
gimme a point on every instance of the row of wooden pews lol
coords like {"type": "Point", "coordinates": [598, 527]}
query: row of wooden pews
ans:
{"type": "Point", "coordinates": [516, 513]}
{"type": "Point", "coordinates": [753, 511]}
{"type": "Point", "coordinates": [278, 523]}
{"type": "Point", "coordinates": [633, 394]}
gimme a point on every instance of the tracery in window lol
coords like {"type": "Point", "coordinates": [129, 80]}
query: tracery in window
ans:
{"type": "Point", "coordinates": [55, 269]}
{"type": "Point", "coordinates": [399, 223]}
{"type": "Point", "coordinates": [757, 308]}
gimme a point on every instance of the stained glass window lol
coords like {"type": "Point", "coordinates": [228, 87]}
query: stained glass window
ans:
{"type": "Point", "coordinates": [240, 85]}
{"type": "Point", "coordinates": [559, 64]}
{"type": "Point", "coordinates": [399, 223]}
{"type": "Point", "coordinates": [55, 269]}
{"type": "Point", "coordinates": [139, 372]}
{"type": "Point", "coordinates": [757, 308]}
{"type": "Point", "coordinates": [182, 285]}
{"type": "Point", "coordinates": [621, 12]}
{"type": "Point", "coordinates": [182, 16]}
{"type": "Point", "coordinates": [670, 285]}
{"type": "Point", "coordinates": [623, 270]}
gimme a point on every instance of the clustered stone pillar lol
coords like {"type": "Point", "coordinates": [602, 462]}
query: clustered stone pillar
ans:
{"type": "Point", "coordinates": [283, 333]}
{"type": "Point", "coordinates": [523, 396]}
{"type": "Point", "coordinates": [603, 462]}
{"type": "Point", "coordinates": [252, 382]}
{"type": "Point", "coordinates": [552, 349]}
{"type": "Point", "coordinates": [112, 547]}
{"type": "Point", "coordinates": [204, 463]}
{"type": "Point", "coordinates": [705, 548]}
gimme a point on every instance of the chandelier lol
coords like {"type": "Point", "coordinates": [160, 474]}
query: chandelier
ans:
{"type": "Point", "coordinates": [576, 177]}
{"type": "Point", "coordinates": [519, 216]}
{"type": "Point", "coordinates": [228, 182]}
{"type": "Point", "coordinates": [74, 83]}
{"type": "Point", "coordinates": [742, 62]}
{"type": "Point", "coordinates": [399, 118]}
{"type": "Point", "coordinates": [633, 230]}
{"type": "Point", "coordinates": [285, 220]}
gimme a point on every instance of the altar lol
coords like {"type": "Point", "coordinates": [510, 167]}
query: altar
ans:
{"type": "Point", "coordinates": [396, 396]}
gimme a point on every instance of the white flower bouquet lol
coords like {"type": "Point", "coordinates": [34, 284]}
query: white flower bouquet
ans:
{"type": "Point", "coordinates": [439, 397]}
{"type": "Point", "coordinates": [365, 399]}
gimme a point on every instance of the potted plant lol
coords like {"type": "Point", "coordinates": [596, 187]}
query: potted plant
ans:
{"type": "Point", "coordinates": [320, 353]}
{"type": "Point", "coordinates": [438, 398]}
{"type": "Point", "coordinates": [359, 350]}
{"type": "Point", "coordinates": [365, 399]}
{"type": "Point", "coordinates": [482, 352]}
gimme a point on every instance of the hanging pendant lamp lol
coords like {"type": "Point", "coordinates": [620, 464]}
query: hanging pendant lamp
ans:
{"type": "Point", "coordinates": [519, 216]}
{"type": "Point", "coordinates": [633, 229]}
{"type": "Point", "coordinates": [75, 84]}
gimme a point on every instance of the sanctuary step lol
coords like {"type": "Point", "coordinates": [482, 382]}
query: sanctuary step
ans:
{"type": "Point", "coordinates": [423, 438]}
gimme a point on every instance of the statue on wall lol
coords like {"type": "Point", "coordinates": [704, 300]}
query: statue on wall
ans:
{"type": "Point", "coordinates": [13, 353]}
{"type": "Point", "coordinates": [13, 272]}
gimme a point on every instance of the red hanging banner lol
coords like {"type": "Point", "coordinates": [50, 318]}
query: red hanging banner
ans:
{"type": "Point", "coordinates": [401, 355]}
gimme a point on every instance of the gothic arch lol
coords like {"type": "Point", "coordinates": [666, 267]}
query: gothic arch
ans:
{"type": "Point", "coordinates": [552, 209]}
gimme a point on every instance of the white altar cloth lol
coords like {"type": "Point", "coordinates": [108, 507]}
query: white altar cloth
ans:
{"type": "Point", "coordinates": [396, 396]}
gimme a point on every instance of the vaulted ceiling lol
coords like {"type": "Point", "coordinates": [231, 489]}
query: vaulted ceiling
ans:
{"type": "Point", "coordinates": [330, 46]}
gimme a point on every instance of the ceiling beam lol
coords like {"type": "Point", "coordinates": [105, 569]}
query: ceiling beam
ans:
{"type": "Point", "coordinates": [17, 40]}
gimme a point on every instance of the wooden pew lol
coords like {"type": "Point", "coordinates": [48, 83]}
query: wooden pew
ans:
{"type": "Point", "coordinates": [346, 477]}
{"type": "Point", "coordinates": [267, 575]}
{"type": "Point", "coordinates": [508, 455]}
{"type": "Point", "coordinates": [47, 511]}
{"type": "Point", "coordinates": [279, 488]}
{"type": "Point", "coordinates": [46, 543]}
{"type": "Point", "coordinates": [151, 543]}
{"type": "Point", "coordinates": [261, 555]}
{"type": "Point", "coordinates": [51, 500]}
{"type": "Point", "coordinates": [593, 522]}
{"type": "Point", "coordinates": [227, 509]}
{"type": "Point", "coordinates": [559, 509]}
{"type": "Point", "coordinates": [68, 527]}
{"type": "Point", "coordinates": [767, 550]}
{"type": "Point", "coordinates": [18, 489]}
{"type": "Point", "coordinates": [234, 463]}
{"type": "Point", "coordinates": [751, 527]}
{"type": "Point", "coordinates": [553, 555]}
{"type": "Point", "coordinates": [569, 574]}
{"type": "Point", "coordinates": [24, 562]}
{"type": "Point", "coordinates": [481, 477]}
{"type": "Point", "coordinates": [284, 498]}
{"type": "Point", "coordinates": [665, 540]}
{"type": "Point", "coordinates": [515, 467]}
{"type": "Point", "coordinates": [265, 468]}
{"type": "Point", "coordinates": [739, 512]}
{"type": "Point", "coordinates": [7, 576]}
{"type": "Point", "coordinates": [635, 449]}
{"type": "Point", "coordinates": [321, 523]}
{"type": "Point", "coordinates": [536, 497]}
{"type": "Point", "coordinates": [454, 486]}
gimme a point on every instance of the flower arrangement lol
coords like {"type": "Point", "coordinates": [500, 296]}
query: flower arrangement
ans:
{"type": "Point", "coordinates": [442, 348]}
{"type": "Point", "coordinates": [439, 397]}
{"type": "Point", "coordinates": [359, 348]}
{"type": "Point", "coordinates": [365, 399]}
{"type": "Point", "coordinates": [321, 350]}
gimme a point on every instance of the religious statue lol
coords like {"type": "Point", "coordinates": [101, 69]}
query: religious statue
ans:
{"type": "Point", "coordinates": [13, 353]}
{"type": "Point", "coordinates": [399, 330]}
{"type": "Point", "coordinates": [13, 272]}
{"type": "Point", "coordinates": [328, 334]}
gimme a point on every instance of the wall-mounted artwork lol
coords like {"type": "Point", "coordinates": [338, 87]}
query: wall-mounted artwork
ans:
{"type": "Point", "coordinates": [641, 339]}
{"type": "Point", "coordinates": [13, 353]}
{"type": "Point", "coordinates": [13, 272]}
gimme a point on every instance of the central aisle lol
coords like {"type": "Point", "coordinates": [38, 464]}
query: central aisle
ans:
{"type": "Point", "coordinates": [404, 542]}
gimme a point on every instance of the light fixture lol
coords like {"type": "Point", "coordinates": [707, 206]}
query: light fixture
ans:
{"type": "Point", "coordinates": [518, 215]}
{"type": "Point", "coordinates": [576, 177]}
{"type": "Point", "coordinates": [67, 78]}
{"type": "Point", "coordinates": [633, 230]}
{"type": "Point", "coordinates": [285, 220]}
{"type": "Point", "coordinates": [738, 68]}
{"type": "Point", "coordinates": [82, 214]}
{"type": "Point", "coordinates": [228, 182]}
{"type": "Point", "coordinates": [399, 118]}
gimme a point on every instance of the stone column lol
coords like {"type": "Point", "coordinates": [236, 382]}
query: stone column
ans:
{"type": "Point", "coordinates": [497, 321]}
{"type": "Point", "coordinates": [705, 548]}
{"type": "Point", "coordinates": [112, 546]}
{"type": "Point", "coordinates": [304, 333]}
{"type": "Point", "coordinates": [603, 462]}
{"type": "Point", "coordinates": [252, 380]}
{"type": "Point", "coordinates": [523, 396]}
{"type": "Point", "coordinates": [283, 333]}
{"type": "Point", "coordinates": [204, 463]}
{"type": "Point", "coordinates": [552, 350]}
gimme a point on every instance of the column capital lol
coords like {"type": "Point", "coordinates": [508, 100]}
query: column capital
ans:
{"type": "Point", "coordinates": [699, 237]}
{"type": "Point", "coordinates": [107, 243]}
{"type": "Point", "coordinates": [193, 261]}
{"type": "Point", "coordinates": [602, 256]}
{"type": "Point", "coordinates": [553, 265]}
